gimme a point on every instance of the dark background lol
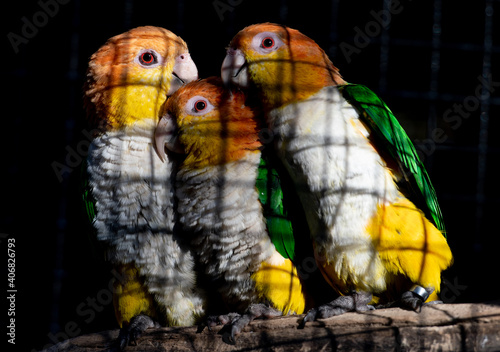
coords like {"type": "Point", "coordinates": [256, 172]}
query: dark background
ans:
{"type": "Point", "coordinates": [426, 62]}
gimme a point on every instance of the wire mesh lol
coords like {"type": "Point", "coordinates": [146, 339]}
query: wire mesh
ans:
{"type": "Point", "coordinates": [434, 63]}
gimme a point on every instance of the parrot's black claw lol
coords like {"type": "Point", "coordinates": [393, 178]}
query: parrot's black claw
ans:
{"type": "Point", "coordinates": [230, 330]}
{"type": "Point", "coordinates": [228, 333]}
{"type": "Point", "coordinates": [310, 316]}
{"type": "Point", "coordinates": [357, 302]}
{"type": "Point", "coordinates": [134, 330]}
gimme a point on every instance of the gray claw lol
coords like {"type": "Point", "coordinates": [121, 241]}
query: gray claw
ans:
{"type": "Point", "coordinates": [238, 322]}
{"type": "Point", "coordinates": [134, 330]}
{"type": "Point", "coordinates": [357, 302]}
{"type": "Point", "coordinates": [214, 320]}
{"type": "Point", "coordinates": [411, 301]}
{"type": "Point", "coordinates": [415, 298]}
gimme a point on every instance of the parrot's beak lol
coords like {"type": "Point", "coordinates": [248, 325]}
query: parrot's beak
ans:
{"type": "Point", "coordinates": [166, 136]}
{"type": "Point", "coordinates": [185, 71]}
{"type": "Point", "coordinates": [234, 69]}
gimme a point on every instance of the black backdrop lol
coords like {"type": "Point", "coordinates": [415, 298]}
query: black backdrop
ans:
{"type": "Point", "coordinates": [435, 63]}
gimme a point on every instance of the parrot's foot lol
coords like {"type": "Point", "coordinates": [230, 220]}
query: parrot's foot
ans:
{"type": "Point", "coordinates": [214, 320]}
{"type": "Point", "coordinates": [134, 330]}
{"type": "Point", "coordinates": [229, 331]}
{"type": "Point", "coordinates": [357, 302]}
{"type": "Point", "coordinates": [415, 298]}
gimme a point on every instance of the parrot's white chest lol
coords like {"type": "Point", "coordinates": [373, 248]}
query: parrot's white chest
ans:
{"type": "Point", "coordinates": [340, 179]}
{"type": "Point", "coordinates": [134, 198]}
{"type": "Point", "coordinates": [132, 188]}
{"type": "Point", "coordinates": [220, 206]}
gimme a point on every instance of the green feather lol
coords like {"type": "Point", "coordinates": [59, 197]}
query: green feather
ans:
{"type": "Point", "coordinates": [89, 208]}
{"type": "Point", "coordinates": [390, 135]}
{"type": "Point", "coordinates": [88, 199]}
{"type": "Point", "coordinates": [279, 226]}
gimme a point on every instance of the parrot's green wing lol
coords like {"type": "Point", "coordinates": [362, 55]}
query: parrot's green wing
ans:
{"type": "Point", "coordinates": [88, 199]}
{"type": "Point", "coordinates": [89, 209]}
{"type": "Point", "coordinates": [279, 225]}
{"type": "Point", "coordinates": [391, 136]}
{"type": "Point", "coordinates": [287, 224]}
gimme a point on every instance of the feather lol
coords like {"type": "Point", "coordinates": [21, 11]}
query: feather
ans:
{"type": "Point", "coordinates": [389, 134]}
{"type": "Point", "coordinates": [279, 225]}
{"type": "Point", "coordinates": [87, 197]}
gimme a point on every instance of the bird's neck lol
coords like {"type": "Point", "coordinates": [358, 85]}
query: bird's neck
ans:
{"type": "Point", "coordinates": [296, 81]}
{"type": "Point", "coordinates": [133, 105]}
{"type": "Point", "coordinates": [226, 143]}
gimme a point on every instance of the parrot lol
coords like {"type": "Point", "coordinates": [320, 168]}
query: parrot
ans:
{"type": "Point", "coordinates": [129, 191]}
{"type": "Point", "coordinates": [223, 185]}
{"type": "Point", "coordinates": [375, 224]}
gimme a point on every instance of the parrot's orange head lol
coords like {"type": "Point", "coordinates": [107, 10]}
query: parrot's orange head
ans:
{"type": "Point", "coordinates": [284, 64]}
{"type": "Point", "coordinates": [131, 75]}
{"type": "Point", "coordinates": [208, 123]}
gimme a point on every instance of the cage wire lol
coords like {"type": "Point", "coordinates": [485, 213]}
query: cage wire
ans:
{"type": "Point", "coordinates": [385, 43]}
{"type": "Point", "coordinates": [441, 85]}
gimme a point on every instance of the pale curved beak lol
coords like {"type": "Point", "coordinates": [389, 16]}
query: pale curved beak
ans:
{"type": "Point", "coordinates": [185, 71]}
{"type": "Point", "coordinates": [234, 69]}
{"type": "Point", "coordinates": [166, 136]}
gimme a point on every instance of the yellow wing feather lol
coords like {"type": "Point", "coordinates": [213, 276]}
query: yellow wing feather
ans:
{"type": "Point", "coordinates": [278, 282]}
{"type": "Point", "coordinates": [409, 244]}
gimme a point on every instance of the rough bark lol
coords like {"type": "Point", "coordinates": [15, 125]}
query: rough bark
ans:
{"type": "Point", "coordinates": [443, 327]}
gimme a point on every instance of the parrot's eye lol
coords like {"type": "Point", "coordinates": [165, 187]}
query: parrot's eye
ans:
{"type": "Point", "coordinates": [267, 43]}
{"type": "Point", "coordinates": [200, 105]}
{"type": "Point", "coordinates": [148, 58]}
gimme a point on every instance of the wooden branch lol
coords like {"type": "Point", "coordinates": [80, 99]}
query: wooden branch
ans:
{"type": "Point", "coordinates": [441, 327]}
